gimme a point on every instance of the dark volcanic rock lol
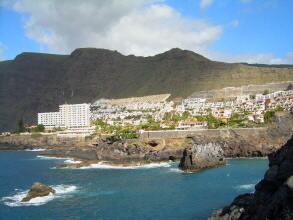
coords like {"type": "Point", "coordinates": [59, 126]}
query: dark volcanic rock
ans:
{"type": "Point", "coordinates": [200, 157]}
{"type": "Point", "coordinates": [38, 190]}
{"type": "Point", "coordinates": [273, 198]}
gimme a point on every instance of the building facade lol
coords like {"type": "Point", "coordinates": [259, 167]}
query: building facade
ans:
{"type": "Point", "coordinates": [69, 116]}
{"type": "Point", "coordinates": [50, 119]}
{"type": "Point", "coordinates": [75, 116]}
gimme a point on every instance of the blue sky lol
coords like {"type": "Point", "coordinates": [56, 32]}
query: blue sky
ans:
{"type": "Point", "coordinates": [228, 30]}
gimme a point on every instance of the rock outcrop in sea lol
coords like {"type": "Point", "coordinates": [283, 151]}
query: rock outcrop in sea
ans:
{"type": "Point", "coordinates": [273, 196]}
{"type": "Point", "coordinates": [198, 157]}
{"type": "Point", "coordinates": [38, 190]}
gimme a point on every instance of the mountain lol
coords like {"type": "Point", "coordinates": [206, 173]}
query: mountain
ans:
{"type": "Point", "coordinates": [35, 82]}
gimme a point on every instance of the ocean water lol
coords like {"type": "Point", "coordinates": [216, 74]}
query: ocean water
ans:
{"type": "Point", "coordinates": [156, 191]}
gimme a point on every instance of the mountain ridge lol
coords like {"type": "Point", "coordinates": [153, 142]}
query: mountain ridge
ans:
{"type": "Point", "coordinates": [34, 82]}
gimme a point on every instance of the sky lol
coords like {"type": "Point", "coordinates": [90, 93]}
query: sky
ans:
{"type": "Point", "coordinates": [253, 31]}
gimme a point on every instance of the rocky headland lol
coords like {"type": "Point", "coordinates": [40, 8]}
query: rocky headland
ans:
{"type": "Point", "coordinates": [273, 196]}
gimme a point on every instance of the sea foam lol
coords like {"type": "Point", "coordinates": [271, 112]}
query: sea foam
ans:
{"type": "Point", "coordinates": [102, 165]}
{"type": "Point", "coordinates": [72, 161]}
{"type": "Point", "coordinates": [15, 200]}
{"type": "Point", "coordinates": [35, 149]}
{"type": "Point", "coordinates": [245, 187]}
{"type": "Point", "coordinates": [51, 158]}
{"type": "Point", "coordinates": [175, 170]}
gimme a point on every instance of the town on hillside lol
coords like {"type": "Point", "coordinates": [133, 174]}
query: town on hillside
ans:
{"type": "Point", "coordinates": [130, 117]}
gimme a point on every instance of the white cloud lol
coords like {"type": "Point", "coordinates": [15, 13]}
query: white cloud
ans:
{"type": "Point", "coordinates": [203, 4]}
{"type": "Point", "coordinates": [141, 27]}
{"type": "Point", "coordinates": [260, 58]}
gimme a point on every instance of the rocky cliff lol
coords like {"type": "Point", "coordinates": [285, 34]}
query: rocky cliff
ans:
{"type": "Point", "coordinates": [198, 157]}
{"type": "Point", "coordinates": [35, 82]}
{"type": "Point", "coordinates": [273, 196]}
{"type": "Point", "coordinates": [252, 142]}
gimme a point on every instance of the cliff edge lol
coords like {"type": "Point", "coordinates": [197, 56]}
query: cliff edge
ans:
{"type": "Point", "coordinates": [273, 196]}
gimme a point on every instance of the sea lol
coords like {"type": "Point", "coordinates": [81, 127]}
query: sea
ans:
{"type": "Point", "coordinates": [154, 191]}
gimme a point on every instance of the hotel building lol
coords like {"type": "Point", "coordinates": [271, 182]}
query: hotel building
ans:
{"type": "Point", "coordinates": [69, 116]}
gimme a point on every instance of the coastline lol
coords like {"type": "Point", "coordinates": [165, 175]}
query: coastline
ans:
{"type": "Point", "coordinates": [235, 143]}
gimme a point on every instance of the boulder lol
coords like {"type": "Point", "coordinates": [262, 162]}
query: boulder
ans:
{"type": "Point", "coordinates": [38, 190]}
{"type": "Point", "coordinates": [200, 157]}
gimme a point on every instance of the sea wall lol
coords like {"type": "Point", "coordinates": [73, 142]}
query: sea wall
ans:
{"type": "Point", "coordinates": [212, 133]}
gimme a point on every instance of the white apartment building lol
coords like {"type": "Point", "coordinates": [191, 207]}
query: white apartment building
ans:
{"type": "Point", "coordinates": [69, 116]}
{"type": "Point", "coordinates": [50, 119]}
{"type": "Point", "coordinates": [75, 116]}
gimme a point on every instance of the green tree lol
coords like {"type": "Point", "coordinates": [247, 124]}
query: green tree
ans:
{"type": "Point", "coordinates": [268, 116]}
{"type": "Point", "coordinates": [185, 115]}
{"type": "Point", "coordinates": [20, 126]}
{"type": "Point", "coordinates": [126, 133]}
{"type": "Point", "coordinates": [39, 128]}
{"type": "Point", "coordinates": [214, 122]}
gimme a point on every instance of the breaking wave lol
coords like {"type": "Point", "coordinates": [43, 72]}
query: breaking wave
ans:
{"type": "Point", "coordinates": [245, 187]}
{"type": "Point", "coordinates": [35, 149]}
{"type": "Point", "coordinates": [15, 200]}
{"type": "Point", "coordinates": [102, 165]}
{"type": "Point", "coordinates": [72, 161]}
{"type": "Point", "coordinates": [51, 158]}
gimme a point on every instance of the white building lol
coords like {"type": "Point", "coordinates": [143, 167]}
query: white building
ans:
{"type": "Point", "coordinates": [75, 116]}
{"type": "Point", "coordinates": [50, 119]}
{"type": "Point", "coordinates": [69, 116]}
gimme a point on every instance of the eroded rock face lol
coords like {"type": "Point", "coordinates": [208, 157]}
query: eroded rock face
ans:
{"type": "Point", "coordinates": [273, 196]}
{"type": "Point", "coordinates": [38, 190]}
{"type": "Point", "coordinates": [199, 157]}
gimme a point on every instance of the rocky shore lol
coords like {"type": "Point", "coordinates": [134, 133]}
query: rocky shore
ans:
{"type": "Point", "coordinates": [250, 142]}
{"type": "Point", "coordinates": [199, 157]}
{"type": "Point", "coordinates": [273, 196]}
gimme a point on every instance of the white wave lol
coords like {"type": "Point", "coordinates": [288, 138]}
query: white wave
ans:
{"type": "Point", "coordinates": [245, 187]}
{"type": "Point", "coordinates": [15, 200]}
{"type": "Point", "coordinates": [247, 158]}
{"type": "Point", "coordinates": [67, 160]}
{"type": "Point", "coordinates": [72, 161]}
{"type": "Point", "coordinates": [35, 149]}
{"type": "Point", "coordinates": [102, 165]}
{"type": "Point", "coordinates": [155, 165]}
{"type": "Point", "coordinates": [176, 170]}
{"type": "Point", "coordinates": [51, 158]}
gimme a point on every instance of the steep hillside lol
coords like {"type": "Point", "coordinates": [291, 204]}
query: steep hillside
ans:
{"type": "Point", "coordinates": [34, 82]}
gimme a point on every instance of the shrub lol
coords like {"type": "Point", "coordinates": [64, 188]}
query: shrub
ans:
{"type": "Point", "coordinates": [268, 116]}
{"type": "Point", "coordinates": [39, 128]}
